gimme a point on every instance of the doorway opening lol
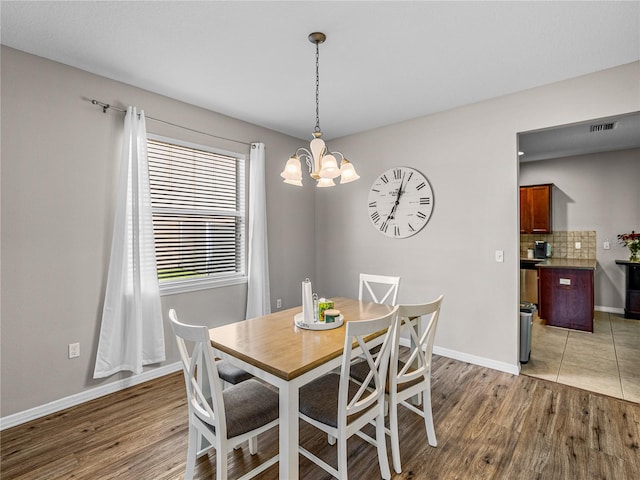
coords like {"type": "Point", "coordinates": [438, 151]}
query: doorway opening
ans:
{"type": "Point", "coordinates": [593, 167]}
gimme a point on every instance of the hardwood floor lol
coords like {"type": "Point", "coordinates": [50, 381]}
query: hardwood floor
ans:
{"type": "Point", "coordinates": [490, 425]}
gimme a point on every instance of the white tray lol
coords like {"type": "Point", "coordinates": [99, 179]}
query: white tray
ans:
{"type": "Point", "coordinates": [298, 319]}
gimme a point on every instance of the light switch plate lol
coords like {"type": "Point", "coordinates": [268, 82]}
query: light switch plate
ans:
{"type": "Point", "coordinates": [74, 350]}
{"type": "Point", "coordinates": [578, 245]}
{"type": "Point", "coordinates": [499, 255]}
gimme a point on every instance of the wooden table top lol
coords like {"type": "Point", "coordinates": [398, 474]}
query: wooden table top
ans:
{"type": "Point", "coordinates": [276, 345]}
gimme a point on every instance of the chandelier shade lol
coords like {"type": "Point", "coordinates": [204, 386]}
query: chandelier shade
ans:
{"type": "Point", "coordinates": [347, 172]}
{"type": "Point", "coordinates": [321, 162]}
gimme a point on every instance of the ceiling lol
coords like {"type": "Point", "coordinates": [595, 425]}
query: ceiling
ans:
{"type": "Point", "coordinates": [382, 63]}
{"type": "Point", "coordinates": [620, 132]}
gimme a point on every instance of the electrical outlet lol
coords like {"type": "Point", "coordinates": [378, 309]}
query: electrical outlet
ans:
{"type": "Point", "coordinates": [499, 256]}
{"type": "Point", "coordinates": [578, 245]}
{"type": "Point", "coordinates": [279, 303]}
{"type": "Point", "coordinates": [607, 245]}
{"type": "Point", "coordinates": [74, 350]}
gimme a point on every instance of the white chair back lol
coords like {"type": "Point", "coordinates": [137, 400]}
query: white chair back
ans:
{"type": "Point", "coordinates": [378, 363]}
{"type": "Point", "coordinates": [204, 389]}
{"type": "Point", "coordinates": [419, 362]}
{"type": "Point", "coordinates": [380, 288]}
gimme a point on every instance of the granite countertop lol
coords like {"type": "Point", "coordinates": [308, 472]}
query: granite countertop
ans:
{"type": "Point", "coordinates": [579, 263]}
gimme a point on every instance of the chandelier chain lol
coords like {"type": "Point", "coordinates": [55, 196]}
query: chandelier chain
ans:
{"type": "Point", "coordinates": [317, 129]}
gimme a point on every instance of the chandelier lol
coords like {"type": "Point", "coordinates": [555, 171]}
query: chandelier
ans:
{"type": "Point", "coordinates": [321, 162]}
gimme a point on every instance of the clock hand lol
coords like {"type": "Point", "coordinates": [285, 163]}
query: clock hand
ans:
{"type": "Point", "coordinates": [401, 190]}
{"type": "Point", "coordinates": [389, 217]}
{"type": "Point", "coordinates": [398, 195]}
{"type": "Point", "coordinates": [395, 205]}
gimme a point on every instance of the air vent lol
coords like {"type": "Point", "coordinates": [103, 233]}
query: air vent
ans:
{"type": "Point", "coordinates": [602, 127]}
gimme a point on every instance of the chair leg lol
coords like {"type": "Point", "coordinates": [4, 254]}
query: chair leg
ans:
{"type": "Point", "coordinates": [253, 445]}
{"type": "Point", "coordinates": [428, 416]}
{"type": "Point", "coordinates": [192, 451]}
{"type": "Point", "coordinates": [395, 436]}
{"type": "Point", "coordinates": [342, 457]}
{"type": "Point", "coordinates": [331, 440]}
{"type": "Point", "coordinates": [222, 462]}
{"type": "Point", "coordinates": [381, 442]}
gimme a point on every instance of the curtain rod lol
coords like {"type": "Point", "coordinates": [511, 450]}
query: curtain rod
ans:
{"type": "Point", "coordinates": [106, 106]}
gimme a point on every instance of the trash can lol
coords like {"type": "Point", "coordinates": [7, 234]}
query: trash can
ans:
{"type": "Point", "coordinates": [526, 321]}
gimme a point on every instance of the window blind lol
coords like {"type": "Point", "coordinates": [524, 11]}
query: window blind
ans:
{"type": "Point", "coordinates": [197, 198]}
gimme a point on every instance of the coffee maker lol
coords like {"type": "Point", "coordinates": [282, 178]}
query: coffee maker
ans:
{"type": "Point", "coordinates": [542, 249]}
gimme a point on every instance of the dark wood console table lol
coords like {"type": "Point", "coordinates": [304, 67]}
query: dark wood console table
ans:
{"type": "Point", "coordinates": [632, 289]}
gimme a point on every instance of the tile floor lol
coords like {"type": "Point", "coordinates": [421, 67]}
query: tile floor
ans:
{"type": "Point", "coordinates": [605, 361]}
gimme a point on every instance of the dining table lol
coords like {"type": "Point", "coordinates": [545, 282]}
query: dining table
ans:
{"type": "Point", "coordinates": [274, 349]}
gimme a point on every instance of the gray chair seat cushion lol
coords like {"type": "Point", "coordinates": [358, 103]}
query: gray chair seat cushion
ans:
{"type": "Point", "coordinates": [319, 399]}
{"type": "Point", "coordinates": [249, 405]}
{"type": "Point", "coordinates": [360, 370]}
{"type": "Point", "coordinates": [230, 373]}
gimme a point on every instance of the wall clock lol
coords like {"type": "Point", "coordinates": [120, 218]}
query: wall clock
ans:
{"type": "Point", "coordinates": [400, 202]}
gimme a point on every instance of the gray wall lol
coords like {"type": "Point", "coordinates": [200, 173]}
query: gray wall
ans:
{"type": "Point", "coordinates": [58, 169]}
{"type": "Point", "coordinates": [59, 164]}
{"type": "Point", "coordinates": [470, 157]}
{"type": "Point", "coordinates": [595, 192]}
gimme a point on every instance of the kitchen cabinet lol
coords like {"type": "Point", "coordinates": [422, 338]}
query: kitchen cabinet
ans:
{"type": "Point", "coordinates": [535, 209]}
{"type": "Point", "coordinates": [632, 289]}
{"type": "Point", "coordinates": [566, 297]}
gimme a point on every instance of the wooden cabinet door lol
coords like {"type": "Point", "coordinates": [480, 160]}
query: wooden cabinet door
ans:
{"type": "Point", "coordinates": [566, 297]}
{"type": "Point", "coordinates": [632, 297]}
{"type": "Point", "coordinates": [525, 210]}
{"type": "Point", "coordinates": [535, 209]}
{"type": "Point", "coordinates": [540, 198]}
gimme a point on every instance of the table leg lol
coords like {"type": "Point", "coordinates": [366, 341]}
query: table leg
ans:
{"type": "Point", "coordinates": [289, 431]}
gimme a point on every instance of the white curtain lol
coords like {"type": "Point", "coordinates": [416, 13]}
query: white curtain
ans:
{"type": "Point", "coordinates": [132, 333]}
{"type": "Point", "coordinates": [258, 294]}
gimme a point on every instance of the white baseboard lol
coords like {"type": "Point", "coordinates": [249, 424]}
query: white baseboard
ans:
{"type": "Point", "coordinates": [599, 308]}
{"type": "Point", "coordinates": [73, 400]}
{"type": "Point", "coordinates": [78, 398]}
{"type": "Point", "coordinates": [473, 359]}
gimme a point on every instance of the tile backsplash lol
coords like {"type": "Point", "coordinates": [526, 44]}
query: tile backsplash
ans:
{"type": "Point", "coordinates": [563, 244]}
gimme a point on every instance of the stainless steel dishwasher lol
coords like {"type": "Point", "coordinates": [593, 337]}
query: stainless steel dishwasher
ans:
{"type": "Point", "coordinates": [529, 281]}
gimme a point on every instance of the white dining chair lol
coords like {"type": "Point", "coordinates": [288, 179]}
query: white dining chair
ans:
{"type": "Point", "coordinates": [340, 407]}
{"type": "Point", "coordinates": [378, 288]}
{"type": "Point", "coordinates": [410, 378]}
{"type": "Point", "coordinates": [224, 418]}
{"type": "Point", "coordinates": [413, 376]}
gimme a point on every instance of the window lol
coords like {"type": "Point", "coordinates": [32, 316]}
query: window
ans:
{"type": "Point", "coordinates": [198, 205]}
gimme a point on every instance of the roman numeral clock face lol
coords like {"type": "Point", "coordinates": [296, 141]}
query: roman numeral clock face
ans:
{"type": "Point", "coordinates": [400, 202]}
